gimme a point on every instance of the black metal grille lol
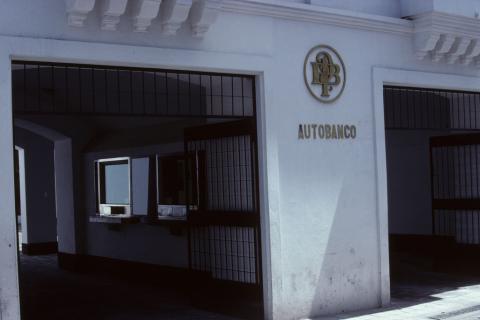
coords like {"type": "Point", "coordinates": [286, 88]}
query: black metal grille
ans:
{"type": "Point", "coordinates": [46, 88]}
{"type": "Point", "coordinates": [224, 238]}
{"type": "Point", "coordinates": [228, 253]}
{"type": "Point", "coordinates": [430, 109]}
{"type": "Point", "coordinates": [455, 165]}
{"type": "Point", "coordinates": [229, 180]}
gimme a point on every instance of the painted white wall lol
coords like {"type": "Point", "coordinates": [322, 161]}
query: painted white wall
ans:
{"type": "Point", "coordinates": [9, 287]}
{"type": "Point", "coordinates": [40, 218]}
{"type": "Point", "coordinates": [314, 192]}
{"type": "Point", "coordinates": [390, 8]}
{"type": "Point", "coordinates": [468, 8]}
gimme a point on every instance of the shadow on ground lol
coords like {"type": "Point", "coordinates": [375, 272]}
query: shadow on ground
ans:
{"type": "Point", "coordinates": [48, 292]}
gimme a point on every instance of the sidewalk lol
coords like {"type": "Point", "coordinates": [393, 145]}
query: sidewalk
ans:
{"type": "Point", "coordinates": [434, 297]}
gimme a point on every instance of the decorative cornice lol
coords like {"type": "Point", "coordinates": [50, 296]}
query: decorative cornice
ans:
{"type": "Point", "coordinates": [144, 11]}
{"type": "Point", "coordinates": [199, 15]}
{"type": "Point", "coordinates": [78, 10]}
{"type": "Point", "coordinates": [202, 15]}
{"type": "Point", "coordinates": [111, 12]}
{"type": "Point", "coordinates": [445, 37]}
{"type": "Point", "coordinates": [173, 13]}
{"type": "Point", "coordinates": [317, 14]}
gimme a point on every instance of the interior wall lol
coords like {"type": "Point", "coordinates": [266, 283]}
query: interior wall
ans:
{"type": "Point", "coordinates": [41, 222]}
{"type": "Point", "coordinates": [409, 181]}
{"type": "Point", "coordinates": [136, 242]}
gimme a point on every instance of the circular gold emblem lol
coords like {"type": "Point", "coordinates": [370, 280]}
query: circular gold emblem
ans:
{"type": "Point", "coordinates": [324, 73]}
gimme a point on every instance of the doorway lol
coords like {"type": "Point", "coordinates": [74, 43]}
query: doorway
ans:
{"type": "Point", "coordinates": [432, 178]}
{"type": "Point", "coordinates": [163, 189]}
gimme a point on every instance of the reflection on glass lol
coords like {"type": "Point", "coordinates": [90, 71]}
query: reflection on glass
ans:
{"type": "Point", "coordinates": [116, 183]}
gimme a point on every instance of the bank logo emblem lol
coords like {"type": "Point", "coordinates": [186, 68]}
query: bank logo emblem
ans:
{"type": "Point", "coordinates": [324, 73]}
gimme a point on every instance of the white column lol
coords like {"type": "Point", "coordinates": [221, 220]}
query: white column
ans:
{"type": "Point", "coordinates": [9, 287]}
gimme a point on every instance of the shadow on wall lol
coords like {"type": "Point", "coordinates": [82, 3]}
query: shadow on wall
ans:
{"type": "Point", "coordinates": [348, 279]}
{"type": "Point", "coordinates": [63, 183]}
{"type": "Point", "coordinates": [38, 191]}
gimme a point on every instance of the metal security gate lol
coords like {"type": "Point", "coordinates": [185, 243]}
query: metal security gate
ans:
{"type": "Point", "coordinates": [455, 176]}
{"type": "Point", "coordinates": [224, 223]}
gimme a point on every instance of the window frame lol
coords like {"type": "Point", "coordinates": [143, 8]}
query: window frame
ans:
{"type": "Point", "coordinates": [196, 190]}
{"type": "Point", "coordinates": [104, 209]}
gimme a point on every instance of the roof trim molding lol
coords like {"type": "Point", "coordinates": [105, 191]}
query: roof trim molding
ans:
{"type": "Point", "coordinates": [317, 14]}
{"type": "Point", "coordinates": [448, 38]}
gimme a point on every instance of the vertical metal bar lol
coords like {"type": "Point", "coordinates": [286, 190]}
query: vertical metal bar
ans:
{"type": "Point", "coordinates": [131, 92]}
{"type": "Point", "coordinates": [400, 108]}
{"type": "Point", "coordinates": [234, 174]}
{"type": "Point", "coordinates": [155, 98]}
{"type": "Point", "coordinates": [245, 159]}
{"type": "Point", "coordinates": [465, 173]}
{"type": "Point", "coordinates": [230, 257]}
{"type": "Point", "coordinates": [233, 98]}
{"type": "Point", "coordinates": [470, 111]}
{"type": "Point", "coordinates": [425, 110]}
{"type": "Point", "coordinates": [477, 107]}
{"type": "Point", "coordinates": [178, 95]}
{"type": "Point", "coordinates": [143, 93]}
{"type": "Point", "coordinates": [118, 89]}
{"type": "Point", "coordinates": [24, 87]}
{"type": "Point", "coordinates": [458, 110]}
{"type": "Point", "coordinates": [444, 170]}
{"type": "Point", "coordinates": [434, 112]}
{"type": "Point", "coordinates": [472, 228]}
{"type": "Point", "coordinates": [473, 111]}
{"type": "Point", "coordinates": [39, 105]}
{"type": "Point", "coordinates": [477, 174]}
{"type": "Point", "coordinates": [213, 250]}
{"type": "Point", "coordinates": [221, 95]}
{"type": "Point", "coordinates": [406, 105]}
{"type": "Point", "coordinates": [167, 93]}
{"type": "Point", "coordinates": [94, 105]}
{"type": "Point", "coordinates": [393, 107]}
{"type": "Point", "coordinates": [416, 119]}
{"type": "Point", "coordinates": [80, 89]}
{"type": "Point", "coordinates": [189, 225]}
{"type": "Point", "coordinates": [432, 172]}
{"type": "Point", "coordinates": [67, 100]}
{"type": "Point", "coordinates": [189, 95]}
{"type": "Point", "coordinates": [106, 89]}
{"type": "Point", "coordinates": [223, 172]}
{"type": "Point", "coordinates": [211, 95]}
{"type": "Point", "coordinates": [53, 88]}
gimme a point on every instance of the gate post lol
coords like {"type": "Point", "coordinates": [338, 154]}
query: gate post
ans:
{"type": "Point", "coordinates": [9, 286]}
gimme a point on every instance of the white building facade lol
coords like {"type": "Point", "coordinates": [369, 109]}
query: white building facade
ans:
{"type": "Point", "coordinates": [323, 199]}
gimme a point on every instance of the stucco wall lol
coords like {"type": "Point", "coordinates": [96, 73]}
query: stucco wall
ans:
{"type": "Point", "coordinates": [321, 231]}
